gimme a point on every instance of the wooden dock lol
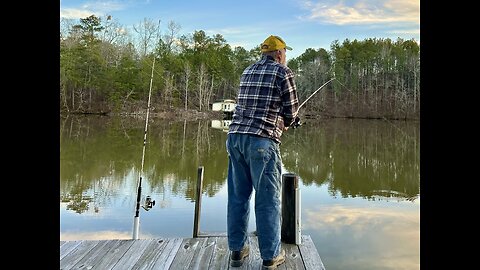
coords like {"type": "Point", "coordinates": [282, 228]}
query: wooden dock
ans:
{"type": "Point", "coordinates": [210, 252]}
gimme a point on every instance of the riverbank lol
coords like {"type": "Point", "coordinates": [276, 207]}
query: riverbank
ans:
{"type": "Point", "coordinates": [192, 115]}
{"type": "Point", "coordinates": [173, 113]}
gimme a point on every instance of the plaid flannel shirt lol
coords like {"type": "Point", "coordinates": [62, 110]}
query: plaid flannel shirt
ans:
{"type": "Point", "coordinates": [267, 100]}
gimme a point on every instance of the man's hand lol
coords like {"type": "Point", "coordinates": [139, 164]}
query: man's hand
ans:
{"type": "Point", "coordinates": [296, 123]}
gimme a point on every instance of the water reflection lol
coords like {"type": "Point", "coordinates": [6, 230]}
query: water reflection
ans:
{"type": "Point", "coordinates": [366, 236]}
{"type": "Point", "coordinates": [96, 235]}
{"type": "Point", "coordinates": [356, 158]}
{"type": "Point", "coordinates": [368, 159]}
{"type": "Point", "coordinates": [221, 124]}
{"type": "Point", "coordinates": [360, 183]}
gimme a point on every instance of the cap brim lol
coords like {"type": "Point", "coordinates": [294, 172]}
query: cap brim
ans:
{"type": "Point", "coordinates": [288, 48]}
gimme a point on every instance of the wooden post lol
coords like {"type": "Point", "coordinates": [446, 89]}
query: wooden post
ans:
{"type": "Point", "coordinates": [291, 221]}
{"type": "Point", "coordinates": [198, 203]}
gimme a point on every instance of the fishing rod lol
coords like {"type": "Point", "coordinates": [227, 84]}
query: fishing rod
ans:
{"type": "Point", "coordinates": [303, 103]}
{"type": "Point", "coordinates": [136, 219]}
{"type": "Point", "coordinates": [148, 201]}
{"type": "Point", "coordinates": [297, 120]}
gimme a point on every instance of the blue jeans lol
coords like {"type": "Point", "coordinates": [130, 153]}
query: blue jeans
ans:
{"type": "Point", "coordinates": [254, 163]}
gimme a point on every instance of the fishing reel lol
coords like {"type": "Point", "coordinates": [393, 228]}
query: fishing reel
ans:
{"type": "Point", "coordinates": [296, 122]}
{"type": "Point", "coordinates": [149, 203]}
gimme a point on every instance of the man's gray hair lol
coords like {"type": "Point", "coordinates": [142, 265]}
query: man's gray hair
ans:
{"type": "Point", "coordinates": [271, 53]}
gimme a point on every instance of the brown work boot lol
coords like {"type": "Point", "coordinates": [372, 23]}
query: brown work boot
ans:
{"type": "Point", "coordinates": [273, 263]}
{"type": "Point", "coordinates": [237, 257]}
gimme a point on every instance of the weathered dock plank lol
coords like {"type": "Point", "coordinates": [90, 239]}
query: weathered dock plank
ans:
{"type": "Point", "coordinates": [253, 261]}
{"type": "Point", "coordinates": [151, 252]}
{"type": "Point", "coordinates": [177, 253]}
{"type": "Point", "coordinates": [95, 255]}
{"type": "Point", "coordinates": [310, 256]}
{"type": "Point", "coordinates": [67, 247]}
{"type": "Point", "coordinates": [187, 250]}
{"type": "Point", "coordinates": [112, 256]}
{"type": "Point", "coordinates": [75, 255]}
{"type": "Point", "coordinates": [220, 254]}
{"type": "Point", "coordinates": [133, 254]}
{"type": "Point", "coordinates": [203, 255]}
{"type": "Point", "coordinates": [293, 258]}
{"type": "Point", "coordinates": [164, 261]}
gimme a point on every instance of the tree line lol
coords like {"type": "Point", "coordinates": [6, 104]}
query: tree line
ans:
{"type": "Point", "coordinates": [105, 68]}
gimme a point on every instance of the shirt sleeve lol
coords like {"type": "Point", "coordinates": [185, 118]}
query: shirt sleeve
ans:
{"type": "Point", "coordinates": [289, 98]}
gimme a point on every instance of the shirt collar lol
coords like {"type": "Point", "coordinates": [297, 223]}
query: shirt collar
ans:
{"type": "Point", "coordinates": [267, 57]}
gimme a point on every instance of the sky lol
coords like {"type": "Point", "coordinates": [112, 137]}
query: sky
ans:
{"type": "Point", "coordinates": [301, 23]}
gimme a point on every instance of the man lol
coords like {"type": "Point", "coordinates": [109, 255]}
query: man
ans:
{"type": "Point", "coordinates": [267, 105]}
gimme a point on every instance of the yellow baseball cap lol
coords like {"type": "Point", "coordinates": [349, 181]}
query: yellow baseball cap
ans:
{"type": "Point", "coordinates": [273, 43]}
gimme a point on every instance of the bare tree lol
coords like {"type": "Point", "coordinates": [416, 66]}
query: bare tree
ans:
{"type": "Point", "coordinates": [205, 91]}
{"type": "Point", "coordinates": [208, 92]}
{"type": "Point", "coordinates": [169, 87]}
{"type": "Point", "coordinates": [187, 71]}
{"type": "Point", "coordinates": [66, 26]}
{"type": "Point", "coordinates": [147, 31]}
{"type": "Point", "coordinates": [113, 30]}
{"type": "Point", "coordinates": [169, 38]}
{"type": "Point", "coordinates": [202, 74]}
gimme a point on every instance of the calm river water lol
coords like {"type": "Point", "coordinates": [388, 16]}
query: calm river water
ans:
{"type": "Point", "coordinates": [359, 182]}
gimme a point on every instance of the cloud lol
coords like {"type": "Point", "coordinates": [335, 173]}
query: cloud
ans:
{"type": "Point", "coordinates": [363, 11]}
{"type": "Point", "coordinates": [97, 8]}
{"type": "Point", "coordinates": [71, 13]}
{"type": "Point", "coordinates": [249, 36]}
{"type": "Point", "coordinates": [239, 36]}
{"type": "Point", "coordinates": [406, 31]}
{"type": "Point", "coordinates": [105, 6]}
{"type": "Point", "coordinates": [237, 31]}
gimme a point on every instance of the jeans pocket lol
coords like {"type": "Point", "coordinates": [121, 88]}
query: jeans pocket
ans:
{"type": "Point", "coordinates": [264, 154]}
{"type": "Point", "coordinates": [261, 151]}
